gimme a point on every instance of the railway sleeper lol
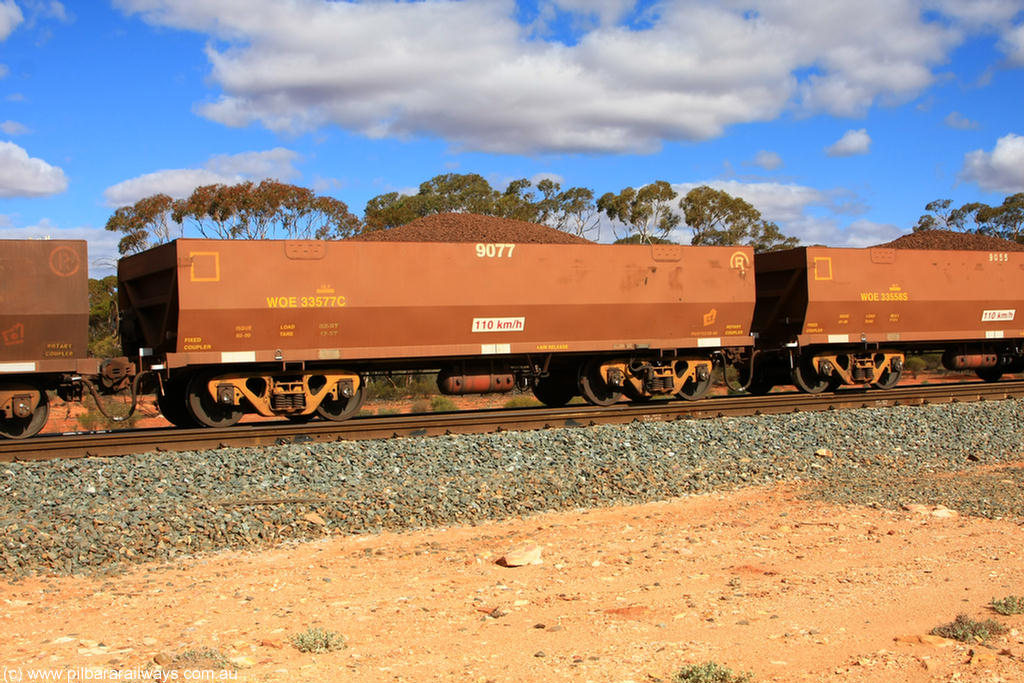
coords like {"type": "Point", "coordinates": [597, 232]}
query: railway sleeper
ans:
{"type": "Point", "coordinates": [289, 395]}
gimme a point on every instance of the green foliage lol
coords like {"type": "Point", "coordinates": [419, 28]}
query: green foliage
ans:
{"type": "Point", "coordinates": [145, 223]}
{"type": "Point", "coordinates": [442, 404]}
{"type": "Point", "coordinates": [718, 218]}
{"type": "Point", "coordinates": [572, 210]}
{"type": "Point", "coordinates": [389, 388]}
{"type": "Point", "coordinates": [243, 211]}
{"type": "Point", "coordinates": [1011, 604]}
{"type": "Point", "coordinates": [968, 630]}
{"type": "Point", "coordinates": [522, 401]}
{"type": "Point", "coordinates": [1005, 221]}
{"type": "Point", "coordinates": [93, 420]}
{"type": "Point", "coordinates": [104, 341]}
{"type": "Point", "coordinates": [915, 364]}
{"type": "Point", "coordinates": [637, 239]}
{"type": "Point", "coordinates": [317, 640]}
{"type": "Point", "coordinates": [709, 672]}
{"type": "Point", "coordinates": [646, 212]}
{"type": "Point", "coordinates": [202, 658]}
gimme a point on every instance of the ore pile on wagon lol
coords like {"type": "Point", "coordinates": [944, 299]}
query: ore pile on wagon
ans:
{"type": "Point", "coordinates": [950, 240]}
{"type": "Point", "coordinates": [470, 227]}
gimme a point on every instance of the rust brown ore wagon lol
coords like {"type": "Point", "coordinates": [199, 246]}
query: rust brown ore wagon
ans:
{"type": "Point", "coordinates": [830, 316]}
{"type": "Point", "coordinates": [293, 327]}
{"type": "Point", "coordinates": [44, 323]}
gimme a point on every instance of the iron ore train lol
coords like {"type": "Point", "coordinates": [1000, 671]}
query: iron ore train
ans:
{"type": "Point", "coordinates": [220, 328]}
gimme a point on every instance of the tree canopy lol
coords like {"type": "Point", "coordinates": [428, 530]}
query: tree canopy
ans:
{"type": "Point", "coordinates": [647, 212]}
{"type": "Point", "coordinates": [1005, 221]}
{"type": "Point", "coordinates": [718, 218]}
{"type": "Point", "coordinates": [271, 209]}
{"type": "Point", "coordinates": [571, 210]}
{"type": "Point", "coordinates": [243, 211]}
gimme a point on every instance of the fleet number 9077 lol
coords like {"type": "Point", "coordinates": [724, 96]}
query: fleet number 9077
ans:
{"type": "Point", "coordinates": [494, 250]}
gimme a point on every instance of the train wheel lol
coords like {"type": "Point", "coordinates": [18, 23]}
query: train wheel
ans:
{"type": "Point", "coordinates": [173, 405]}
{"type": "Point", "coordinates": [759, 387]}
{"type": "Point", "coordinates": [593, 388]}
{"type": "Point", "coordinates": [204, 409]}
{"type": "Point", "coordinates": [888, 380]}
{"type": "Point", "coordinates": [695, 389]}
{"type": "Point", "coordinates": [23, 428]}
{"type": "Point", "coordinates": [807, 379]}
{"type": "Point", "coordinates": [341, 409]}
{"type": "Point", "coordinates": [554, 391]}
{"type": "Point", "coordinates": [990, 374]}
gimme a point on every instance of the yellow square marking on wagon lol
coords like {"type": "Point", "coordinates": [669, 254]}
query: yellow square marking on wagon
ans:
{"type": "Point", "coordinates": [822, 267]}
{"type": "Point", "coordinates": [205, 266]}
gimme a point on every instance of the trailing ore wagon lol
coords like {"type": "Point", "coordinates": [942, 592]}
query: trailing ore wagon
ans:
{"type": "Point", "coordinates": [826, 317]}
{"type": "Point", "coordinates": [293, 328]}
{"type": "Point", "coordinates": [44, 327]}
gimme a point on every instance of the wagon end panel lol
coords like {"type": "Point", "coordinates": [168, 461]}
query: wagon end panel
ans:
{"type": "Point", "coordinates": [781, 295]}
{"type": "Point", "coordinates": [148, 297]}
{"type": "Point", "coordinates": [44, 305]}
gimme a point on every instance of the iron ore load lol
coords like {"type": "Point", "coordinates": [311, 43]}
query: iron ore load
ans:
{"type": "Point", "coordinates": [293, 329]}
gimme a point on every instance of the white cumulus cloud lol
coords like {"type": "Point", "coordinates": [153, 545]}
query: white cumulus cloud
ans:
{"type": "Point", "coordinates": [1001, 170]}
{"type": "Point", "coordinates": [10, 17]}
{"type": "Point", "coordinates": [1013, 44]}
{"type": "Point", "coordinates": [25, 176]}
{"type": "Point", "coordinates": [469, 73]}
{"type": "Point", "coordinates": [852, 143]}
{"type": "Point", "coordinates": [226, 169]}
{"type": "Point", "coordinates": [769, 161]}
{"type": "Point", "coordinates": [813, 216]}
{"type": "Point", "coordinates": [14, 128]}
{"type": "Point", "coordinates": [957, 120]}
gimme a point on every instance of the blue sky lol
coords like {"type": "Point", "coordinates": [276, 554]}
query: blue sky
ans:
{"type": "Point", "coordinates": [839, 120]}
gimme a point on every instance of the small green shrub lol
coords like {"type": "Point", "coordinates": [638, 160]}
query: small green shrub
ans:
{"type": "Point", "coordinates": [522, 401]}
{"type": "Point", "coordinates": [93, 420]}
{"type": "Point", "coordinates": [202, 658]}
{"type": "Point", "coordinates": [709, 672]}
{"type": "Point", "coordinates": [387, 388]}
{"type": "Point", "coordinates": [420, 406]}
{"type": "Point", "coordinates": [915, 364]}
{"type": "Point", "coordinates": [968, 630]}
{"type": "Point", "coordinates": [442, 404]}
{"type": "Point", "coordinates": [317, 640]}
{"type": "Point", "coordinates": [1011, 604]}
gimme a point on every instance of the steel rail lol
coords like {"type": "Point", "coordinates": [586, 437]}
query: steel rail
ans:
{"type": "Point", "coordinates": [112, 443]}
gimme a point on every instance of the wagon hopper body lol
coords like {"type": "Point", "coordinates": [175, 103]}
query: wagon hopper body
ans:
{"type": "Point", "coordinates": [292, 327]}
{"type": "Point", "coordinates": [848, 316]}
{"type": "Point", "coordinates": [44, 322]}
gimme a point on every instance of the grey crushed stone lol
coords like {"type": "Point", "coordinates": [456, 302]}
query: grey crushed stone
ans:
{"type": "Point", "coordinates": [94, 514]}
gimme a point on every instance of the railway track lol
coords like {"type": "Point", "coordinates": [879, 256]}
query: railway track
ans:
{"type": "Point", "coordinates": [76, 445]}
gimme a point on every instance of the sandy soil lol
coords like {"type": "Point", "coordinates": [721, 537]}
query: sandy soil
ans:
{"type": "Point", "coordinates": [756, 580]}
